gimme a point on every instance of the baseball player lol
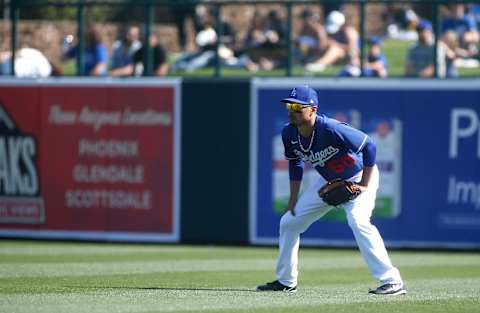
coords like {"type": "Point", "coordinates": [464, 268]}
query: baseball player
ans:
{"type": "Point", "coordinates": [338, 152]}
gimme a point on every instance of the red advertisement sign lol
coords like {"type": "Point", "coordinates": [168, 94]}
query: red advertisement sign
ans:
{"type": "Point", "coordinates": [78, 160]}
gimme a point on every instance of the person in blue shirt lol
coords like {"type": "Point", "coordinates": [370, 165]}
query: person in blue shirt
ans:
{"type": "Point", "coordinates": [96, 54]}
{"type": "Point", "coordinates": [337, 151]}
{"type": "Point", "coordinates": [421, 55]}
{"type": "Point", "coordinates": [376, 63]}
{"type": "Point", "coordinates": [123, 51]}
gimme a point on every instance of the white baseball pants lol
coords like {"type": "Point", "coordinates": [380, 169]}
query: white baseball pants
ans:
{"type": "Point", "coordinates": [310, 208]}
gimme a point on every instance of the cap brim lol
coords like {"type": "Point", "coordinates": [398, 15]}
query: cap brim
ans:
{"type": "Point", "coordinates": [293, 100]}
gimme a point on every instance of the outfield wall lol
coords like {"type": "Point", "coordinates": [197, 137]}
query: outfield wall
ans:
{"type": "Point", "coordinates": [90, 160]}
{"type": "Point", "coordinates": [199, 161]}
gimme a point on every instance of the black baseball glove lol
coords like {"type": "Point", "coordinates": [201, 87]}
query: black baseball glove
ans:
{"type": "Point", "coordinates": [339, 191]}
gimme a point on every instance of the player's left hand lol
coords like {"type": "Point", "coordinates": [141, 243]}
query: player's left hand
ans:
{"type": "Point", "coordinates": [362, 188]}
{"type": "Point", "coordinates": [339, 191]}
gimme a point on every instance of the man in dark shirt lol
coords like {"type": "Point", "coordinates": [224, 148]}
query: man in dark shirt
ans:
{"type": "Point", "coordinates": [159, 62]}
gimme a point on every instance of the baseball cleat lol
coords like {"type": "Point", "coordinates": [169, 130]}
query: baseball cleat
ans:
{"type": "Point", "coordinates": [276, 286]}
{"type": "Point", "coordinates": [389, 290]}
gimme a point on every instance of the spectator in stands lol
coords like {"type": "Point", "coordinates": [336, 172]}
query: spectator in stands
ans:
{"type": "Point", "coordinates": [180, 12]}
{"type": "Point", "coordinates": [343, 44]}
{"type": "Point", "coordinates": [374, 66]}
{"type": "Point", "coordinates": [255, 39]}
{"type": "Point", "coordinates": [265, 42]}
{"type": "Point", "coordinates": [29, 63]}
{"type": "Point", "coordinates": [96, 54]}
{"type": "Point", "coordinates": [452, 48]}
{"type": "Point", "coordinates": [276, 25]}
{"type": "Point", "coordinates": [401, 22]}
{"type": "Point", "coordinates": [228, 39]}
{"type": "Point", "coordinates": [123, 51]}
{"type": "Point", "coordinates": [421, 56]}
{"type": "Point", "coordinates": [465, 27]}
{"type": "Point", "coordinates": [312, 40]}
{"type": "Point", "coordinates": [159, 62]}
{"type": "Point", "coordinates": [206, 40]}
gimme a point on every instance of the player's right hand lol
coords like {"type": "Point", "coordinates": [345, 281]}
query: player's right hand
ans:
{"type": "Point", "coordinates": [290, 208]}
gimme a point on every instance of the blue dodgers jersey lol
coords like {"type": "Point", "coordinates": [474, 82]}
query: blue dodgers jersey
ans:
{"type": "Point", "coordinates": [335, 150]}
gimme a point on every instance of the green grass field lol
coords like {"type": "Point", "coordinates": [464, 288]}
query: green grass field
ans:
{"type": "Point", "coordinates": [84, 277]}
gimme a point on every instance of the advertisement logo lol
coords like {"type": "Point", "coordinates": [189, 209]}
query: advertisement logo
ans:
{"type": "Point", "coordinates": [20, 200]}
{"type": "Point", "coordinates": [463, 189]}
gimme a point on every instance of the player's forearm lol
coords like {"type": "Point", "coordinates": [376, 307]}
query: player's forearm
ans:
{"type": "Point", "coordinates": [295, 169]}
{"type": "Point", "coordinates": [366, 175]}
{"type": "Point", "coordinates": [294, 192]}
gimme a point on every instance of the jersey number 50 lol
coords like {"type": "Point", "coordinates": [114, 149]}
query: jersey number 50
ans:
{"type": "Point", "coordinates": [339, 165]}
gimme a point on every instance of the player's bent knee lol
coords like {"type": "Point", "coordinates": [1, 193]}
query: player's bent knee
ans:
{"type": "Point", "coordinates": [288, 222]}
{"type": "Point", "coordinates": [285, 221]}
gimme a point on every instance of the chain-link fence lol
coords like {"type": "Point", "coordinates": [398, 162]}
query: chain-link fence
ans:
{"type": "Point", "coordinates": [240, 38]}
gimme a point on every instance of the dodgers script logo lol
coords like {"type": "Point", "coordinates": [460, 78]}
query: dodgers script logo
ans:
{"type": "Point", "coordinates": [318, 158]}
{"type": "Point", "coordinates": [20, 199]}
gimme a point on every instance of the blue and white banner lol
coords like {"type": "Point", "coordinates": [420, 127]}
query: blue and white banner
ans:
{"type": "Point", "coordinates": [428, 153]}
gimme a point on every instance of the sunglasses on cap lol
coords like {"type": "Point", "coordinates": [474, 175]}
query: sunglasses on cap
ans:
{"type": "Point", "coordinates": [295, 107]}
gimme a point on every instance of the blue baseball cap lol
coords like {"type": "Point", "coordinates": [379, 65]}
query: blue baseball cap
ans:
{"type": "Point", "coordinates": [424, 25]}
{"type": "Point", "coordinates": [374, 40]}
{"type": "Point", "coordinates": [304, 95]}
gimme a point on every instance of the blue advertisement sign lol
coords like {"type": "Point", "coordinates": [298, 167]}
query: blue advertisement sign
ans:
{"type": "Point", "coordinates": [428, 154]}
